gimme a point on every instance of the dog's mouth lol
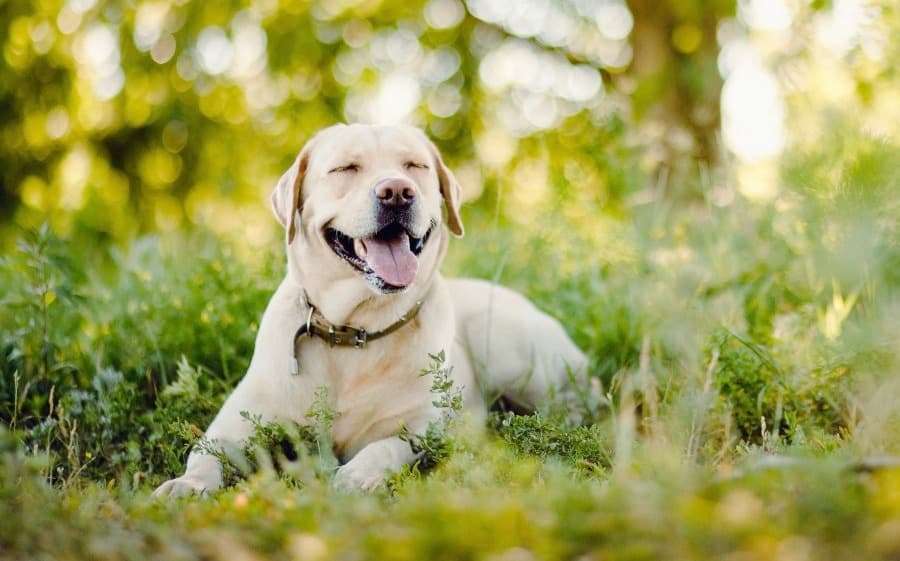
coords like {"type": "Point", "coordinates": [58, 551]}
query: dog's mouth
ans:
{"type": "Point", "coordinates": [389, 259]}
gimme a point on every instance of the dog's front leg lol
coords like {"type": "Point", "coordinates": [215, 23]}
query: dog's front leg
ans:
{"type": "Point", "coordinates": [226, 435]}
{"type": "Point", "coordinates": [370, 466]}
{"type": "Point", "coordinates": [203, 475]}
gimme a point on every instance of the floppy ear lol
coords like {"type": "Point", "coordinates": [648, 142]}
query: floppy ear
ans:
{"type": "Point", "coordinates": [286, 199]}
{"type": "Point", "coordinates": [450, 191]}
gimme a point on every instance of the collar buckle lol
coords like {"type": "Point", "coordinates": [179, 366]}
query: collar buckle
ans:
{"type": "Point", "coordinates": [360, 341]}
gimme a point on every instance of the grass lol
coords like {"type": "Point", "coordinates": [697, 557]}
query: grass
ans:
{"type": "Point", "coordinates": [749, 354]}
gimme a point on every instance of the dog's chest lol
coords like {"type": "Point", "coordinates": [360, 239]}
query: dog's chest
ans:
{"type": "Point", "coordinates": [374, 392]}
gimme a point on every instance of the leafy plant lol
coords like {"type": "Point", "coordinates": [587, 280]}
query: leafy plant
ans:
{"type": "Point", "coordinates": [435, 445]}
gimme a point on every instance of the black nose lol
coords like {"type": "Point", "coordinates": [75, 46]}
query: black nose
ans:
{"type": "Point", "coordinates": [395, 192]}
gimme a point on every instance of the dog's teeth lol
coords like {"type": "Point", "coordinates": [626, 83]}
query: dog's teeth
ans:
{"type": "Point", "coordinates": [360, 248]}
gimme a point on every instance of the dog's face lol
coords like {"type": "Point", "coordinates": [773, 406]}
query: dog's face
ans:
{"type": "Point", "coordinates": [365, 202]}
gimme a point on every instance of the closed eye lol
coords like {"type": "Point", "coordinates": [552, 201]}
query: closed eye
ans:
{"type": "Point", "coordinates": [349, 168]}
{"type": "Point", "coordinates": [415, 165]}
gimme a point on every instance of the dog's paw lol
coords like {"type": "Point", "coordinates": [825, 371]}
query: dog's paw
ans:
{"type": "Point", "coordinates": [354, 476]}
{"type": "Point", "coordinates": [180, 487]}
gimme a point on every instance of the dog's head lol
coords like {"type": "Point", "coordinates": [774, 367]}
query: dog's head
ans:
{"type": "Point", "coordinates": [365, 202]}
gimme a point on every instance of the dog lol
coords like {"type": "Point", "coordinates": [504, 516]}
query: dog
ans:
{"type": "Point", "coordinates": [368, 212]}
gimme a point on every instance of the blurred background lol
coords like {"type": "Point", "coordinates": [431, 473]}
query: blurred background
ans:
{"type": "Point", "coordinates": [119, 118]}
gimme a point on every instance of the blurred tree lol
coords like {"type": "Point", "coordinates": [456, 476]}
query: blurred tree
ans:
{"type": "Point", "coordinates": [677, 82]}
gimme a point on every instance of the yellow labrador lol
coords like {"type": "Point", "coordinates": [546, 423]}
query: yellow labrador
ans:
{"type": "Point", "coordinates": [363, 304]}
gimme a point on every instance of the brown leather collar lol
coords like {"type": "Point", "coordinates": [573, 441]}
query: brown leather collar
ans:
{"type": "Point", "coordinates": [342, 335]}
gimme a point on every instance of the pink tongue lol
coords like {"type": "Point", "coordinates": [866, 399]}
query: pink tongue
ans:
{"type": "Point", "coordinates": [392, 260]}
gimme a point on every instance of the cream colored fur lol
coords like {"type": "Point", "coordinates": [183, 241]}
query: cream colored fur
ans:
{"type": "Point", "coordinates": [496, 341]}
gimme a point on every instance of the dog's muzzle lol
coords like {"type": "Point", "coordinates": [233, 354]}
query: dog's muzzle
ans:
{"type": "Point", "coordinates": [388, 257]}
